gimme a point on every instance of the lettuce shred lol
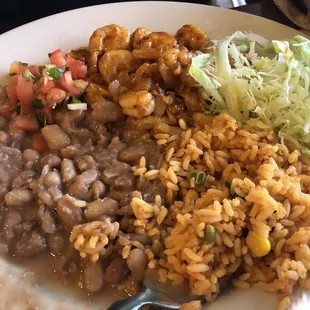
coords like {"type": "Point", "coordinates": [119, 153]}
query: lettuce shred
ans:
{"type": "Point", "coordinates": [256, 79]}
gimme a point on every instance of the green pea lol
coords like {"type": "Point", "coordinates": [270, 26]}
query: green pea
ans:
{"type": "Point", "coordinates": [210, 233]}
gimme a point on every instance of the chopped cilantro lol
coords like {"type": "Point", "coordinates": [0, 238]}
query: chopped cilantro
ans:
{"type": "Point", "coordinates": [37, 104]}
{"type": "Point", "coordinates": [228, 185]}
{"type": "Point", "coordinates": [29, 76]}
{"type": "Point", "coordinates": [41, 119]}
{"type": "Point", "coordinates": [55, 72]}
{"type": "Point", "coordinates": [75, 100]}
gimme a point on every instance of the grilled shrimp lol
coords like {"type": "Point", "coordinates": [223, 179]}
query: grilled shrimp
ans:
{"type": "Point", "coordinates": [95, 93]}
{"type": "Point", "coordinates": [174, 64]}
{"type": "Point", "coordinates": [137, 104]}
{"type": "Point", "coordinates": [147, 70]}
{"type": "Point", "coordinates": [192, 99]}
{"type": "Point", "coordinates": [137, 36]}
{"type": "Point", "coordinates": [116, 64]}
{"type": "Point", "coordinates": [191, 37]}
{"type": "Point", "coordinates": [150, 46]}
{"type": "Point", "coordinates": [107, 38]}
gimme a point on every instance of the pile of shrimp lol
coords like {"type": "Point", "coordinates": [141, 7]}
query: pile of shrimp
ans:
{"type": "Point", "coordinates": [145, 72]}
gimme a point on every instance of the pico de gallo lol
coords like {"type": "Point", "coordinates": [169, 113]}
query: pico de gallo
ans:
{"type": "Point", "coordinates": [34, 91]}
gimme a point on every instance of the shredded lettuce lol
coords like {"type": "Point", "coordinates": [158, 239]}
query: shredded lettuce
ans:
{"type": "Point", "coordinates": [247, 75]}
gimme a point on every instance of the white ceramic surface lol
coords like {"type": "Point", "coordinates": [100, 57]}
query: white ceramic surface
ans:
{"type": "Point", "coordinates": [32, 42]}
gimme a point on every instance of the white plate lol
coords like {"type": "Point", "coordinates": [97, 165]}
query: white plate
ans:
{"type": "Point", "coordinates": [32, 42]}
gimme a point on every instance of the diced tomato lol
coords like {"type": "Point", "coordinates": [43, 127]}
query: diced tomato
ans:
{"type": "Point", "coordinates": [57, 58]}
{"type": "Point", "coordinates": [24, 90]}
{"type": "Point", "coordinates": [70, 86]}
{"type": "Point", "coordinates": [6, 113]}
{"type": "Point", "coordinates": [17, 68]}
{"type": "Point", "coordinates": [38, 143]}
{"type": "Point", "coordinates": [77, 68]}
{"type": "Point", "coordinates": [25, 122]}
{"type": "Point", "coordinates": [11, 91]}
{"type": "Point", "coordinates": [44, 88]}
{"type": "Point", "coordinates": [35, 71]}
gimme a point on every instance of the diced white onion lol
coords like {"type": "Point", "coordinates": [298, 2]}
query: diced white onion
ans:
{"type": "Point", "coordinates": [77, 106]}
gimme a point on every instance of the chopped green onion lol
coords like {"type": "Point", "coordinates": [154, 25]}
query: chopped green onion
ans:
{"type": "Point", "coordinates": [23, 64]}
{"type": "Point", "coordinates": [210, 233]}
{"type": "Point", "coordinates": [200, 177]}
{"type": "Point", "coordinates": [75, 100]}
{"type": "Point", "coordinates": [305, 152]}
{"type": "Point", "coordinates": [13, 74]}
{"type": "Point", "coordinates": [232, 194]}
{"type": "Point", "coordinates": [50, 54]}
{"type": "Point", "coordinates": [55, 72]}
{"type": "Point", "coordinates": [19, 110]}
{"type": "Point", "coordinates": [37, 104]}
{"type": "Point", "coordinates": [29, 76]}
{"type": "Point", "coordinates": [41, 119]}
{"type": "Point", "coordinates": [77, 84]}
{"type": "Point", "coordinates": [228, 185]}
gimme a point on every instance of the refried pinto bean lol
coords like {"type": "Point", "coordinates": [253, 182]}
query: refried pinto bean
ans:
{"type": "Point", "coordinates": [107, 111]}
{"type": "Point", "coordinates": [11, 219]}
{"type": "Point", "coordinates": [18, 197]}
{"type": "Point", "coordinates": [55, 137]}
{"type": "Point", "coordinates": [137, 263]}
{"type": "Point", "coordinates": [51, 160]}
{"type": "Point", "coordinates": [101, 207]}
{"type": "Point", "coordinates": [81, 184]}
{"type": "Point", "coordinates": [68, 171]}
{"type": "Point", "coordinates": [47, 220]}
{"type": "Point", "coordinates": [31, 155]}
{"type": "Point", "coordinates": [98, 189]}
{"type": "Point", "coordinates": [69, 213]}
{"type": "Point", "coordinates": [30, 244]}
{"type": "Point", "coordinates": [4, 138]}
{"type": "Point", "coordinates": [116, 271]}
{"type": "Point", "coordinates": [93, 277]}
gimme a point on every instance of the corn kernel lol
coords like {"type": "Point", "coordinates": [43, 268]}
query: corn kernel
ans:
{"type": "Point", "coordinates": [258, 245]}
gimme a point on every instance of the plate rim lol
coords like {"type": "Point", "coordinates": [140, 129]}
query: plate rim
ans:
{"type": "Point", "coordinates": [137, 2]}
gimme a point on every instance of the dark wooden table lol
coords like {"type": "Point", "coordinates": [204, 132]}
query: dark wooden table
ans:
{"type": "Point", "coordinates": [14, 13]}
{"type": "Point", "coordinates": [267, 9]}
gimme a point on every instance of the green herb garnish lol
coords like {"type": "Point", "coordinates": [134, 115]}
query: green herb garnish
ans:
{"type": "Point", "coordinates": [200, 177]}
{"type": "Point", "coordinates": [13, 74]}
{"type": "Point", "coordinates": [29, 76]}
{"type": "Point", "coordinates": [41, 119]}
{"type": "Point", "coordinates": [37, 104]}
{"type": "Point", "coordinates": [75, 100]}
{"type": "Point", "coordinates": [228, 185]}
{"type": "Point", "coordinates": [77, 84]}
{"type": "Point", "coordinates": [23, 64]}
{"type": "Point", "coordinates": [210, 233]}
{"type": "Point", "coordinates": [55, 72]}
{"type": "Point", "coordinates": [232, 195]}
